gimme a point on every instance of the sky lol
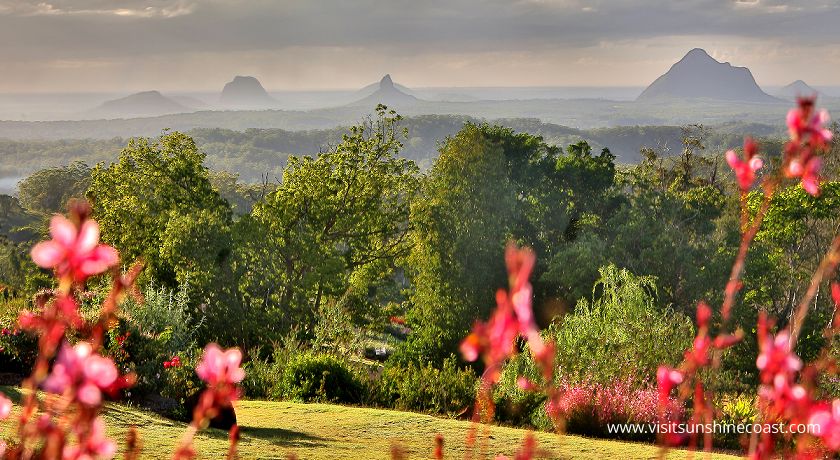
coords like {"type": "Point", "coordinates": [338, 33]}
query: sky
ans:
{"type": "Point", "coordinates": [199, 45]}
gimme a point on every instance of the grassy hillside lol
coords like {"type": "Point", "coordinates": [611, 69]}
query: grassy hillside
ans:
{"type": "Point", "coordinates": [322, 431]}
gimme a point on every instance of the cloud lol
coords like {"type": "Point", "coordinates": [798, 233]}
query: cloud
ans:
{"type": "Point", "coordinates": [177, 31]}
{"type": "Point", "coordinates": [158, 9]}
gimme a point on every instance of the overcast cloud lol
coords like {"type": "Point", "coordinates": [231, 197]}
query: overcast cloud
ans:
{"type": "Point", "coordinates": [92, 45]}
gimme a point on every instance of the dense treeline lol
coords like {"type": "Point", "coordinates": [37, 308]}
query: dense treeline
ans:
{"type": "Point", "coordinates": [256, 154]}
{"type": "Point", "coordinates": [358, 250]}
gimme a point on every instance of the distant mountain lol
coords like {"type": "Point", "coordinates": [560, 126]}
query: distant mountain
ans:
{"type": "Point", "coordinates": [389, 94]}
{"type": "Point", "coordinates": [700, 76]}
{"type": "Point", "coordinates": [246, 92]}
{"type": "Point", "coordinates": [798, 89]}
{"type": "Point", "coordinates": [374, 87]}
{"type": "Point", "coordinates": [146, 103]}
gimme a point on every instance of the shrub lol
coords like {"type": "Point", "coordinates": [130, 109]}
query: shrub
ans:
{"type": "Point", "coordinates": [735, 410]}
{"type": "Point", "coordinates": [309, 377]}
{"type": "Point", "coordinates": [621, 334]}
{"type": "Point", "coordinates": [589, 407]}
{"type": "Point", "coordinates": [150, 335]}
{"type": "Point", "coordinates": [424, 387]}
{"type": "Point", "coordinates": [263, 373]}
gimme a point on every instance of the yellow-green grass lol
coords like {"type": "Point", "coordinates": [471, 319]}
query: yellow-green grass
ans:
{"type": "Point", "coordinates": [273, 430]}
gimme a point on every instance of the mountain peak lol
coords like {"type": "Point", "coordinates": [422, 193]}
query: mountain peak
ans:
{"type": "Point", "coordinates": [386, 92]}
{"type": "Point", "coordinates": [144, 103]}
{"type": "Point", "coordinates": [245, 91]}
{"type": "Point", "coordinates": [798, 89]}
{"type": "Point", "coordinates": [386, 82]}
{"type": "Point", "coordinates": [699, 76]}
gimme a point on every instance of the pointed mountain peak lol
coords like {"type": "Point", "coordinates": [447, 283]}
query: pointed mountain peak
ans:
{"type": "Point", "coordinates": [386, 82]}
{"type": "Point", "coordinates": [798, 89]}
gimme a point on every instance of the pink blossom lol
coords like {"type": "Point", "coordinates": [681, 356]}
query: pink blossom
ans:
{"type": "Point", "coordinates": [74, 252]}
{"type": "Point", "coordinates": [667, 379]}
{"type": "Point", "coordinates": [494, 340]}
{"type": "Point", "coordinates": [804, 121]}
{"type": "Point", "coordinates": [776, 357]}
{"type": "Point", "coordinates": [827, 419]}
{"type": "Point", "coordinates": [704, 314]}
{"type": "Point", "coordinates": [220, 366]}
{"type": "Point", "coordinates": [81, 370]}
{"type": "Point", "coordinates": [745, 168]}
{"type": "Point", "coordinates": [92, 445]}
{"type": "Point", "coordinates": [5, 407]}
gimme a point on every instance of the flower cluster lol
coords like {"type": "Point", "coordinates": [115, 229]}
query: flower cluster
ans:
{"type": "Point", "coordinates": [808, 138]}
{"type": "Point", "coordinates": [69, 426]}
{"type": "Point", "coordinates": [74, 250]}
{"type": "Point", "coordinates": [81, 374]}
{"type": "Point", "coordinates": [745, 168]}
{"type": "Point", "coordinates": [513, 317]}
{"type": "Point", "coordinates": [174, 362]}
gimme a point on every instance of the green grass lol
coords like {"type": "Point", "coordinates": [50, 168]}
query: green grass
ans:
{"type": "Point", "coordinates": [272, 430]}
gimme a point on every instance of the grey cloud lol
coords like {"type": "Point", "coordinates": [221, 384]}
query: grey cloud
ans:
{"type": "Point", "coordinates": [85, 29]}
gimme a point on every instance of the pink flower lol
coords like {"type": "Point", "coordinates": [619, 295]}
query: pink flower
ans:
{"type": "Point", "coordinates": [745, 168]}
{"type": "Point", "coordinates": [5, 407]}
{"type": "Point", "coordinates": [74, 252]}
{"type": "Point", "coordinates": [808, 137]}
{"type": "Point", "coordinates": [777, 357]}
{"type": "Point", "coordinates": [827, 420]}
{"type": "Point", "coordinates": [704, 314]}
{"type": "Point", "coordinates": [495, 339]}
{"type": "Point", "coordinates": [92, 445]}
{"type": "Point", "coordinates": [220, 366]}
{"type": "Point", "coordinates": [804, 121]}
{"type": "Point", "coordinates": [667, 379]}
{"type": "Point", "coordinates": [524, 384]}
{"type": "Point", "coordinates": [79, 370]}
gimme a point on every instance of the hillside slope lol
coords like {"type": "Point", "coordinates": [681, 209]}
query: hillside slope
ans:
{"type": "Point", "coordinates": [324, 431]}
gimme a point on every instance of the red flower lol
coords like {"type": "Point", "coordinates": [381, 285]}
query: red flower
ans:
{"type": "Point", "coordinates": [745, 168]}
{"type": "Point", "coordinates": [495, 339]}
{"type": "Point", "coordinates": [74, 252]}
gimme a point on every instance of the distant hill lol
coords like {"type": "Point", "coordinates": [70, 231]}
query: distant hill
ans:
{"type": "Point", "coordinates": [798, 89]}
{"type": "Point", "coordinates": [246, 92]}
{"type": "Point", "coordinates": [389, 94]}
{"type": "Point", "coordinates": [146, 103]}
{"type": "Point", "coordinates": [374, 87]}
{"type": "Point", "coordinates": [700, 76]}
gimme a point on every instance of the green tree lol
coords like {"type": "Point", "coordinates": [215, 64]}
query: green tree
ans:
{"type": "Point", "coordinates": [335, 225]}
{"type": "Point", "coordinates": [156, 203]}
{"type": "Point", "coordinates": [47, 191]}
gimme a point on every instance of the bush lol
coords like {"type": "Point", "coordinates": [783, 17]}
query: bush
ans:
{"type": "Point", "coordinates": [621, 334]}
{"type": "Point", "coordinates": [262, 373]}
{"type": "Point", "coordinates": [319, 378]}
{"type": "Point", "coordinates": [588, 408]}
{"type": "Point", "coordinates": [736, 410]}
{"type": "Point", "coordinates": [151, 334]}
{"type": "Point", "coordinates": [423, 387]}
{"type": "Point", "coordinates": [17, 348]}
